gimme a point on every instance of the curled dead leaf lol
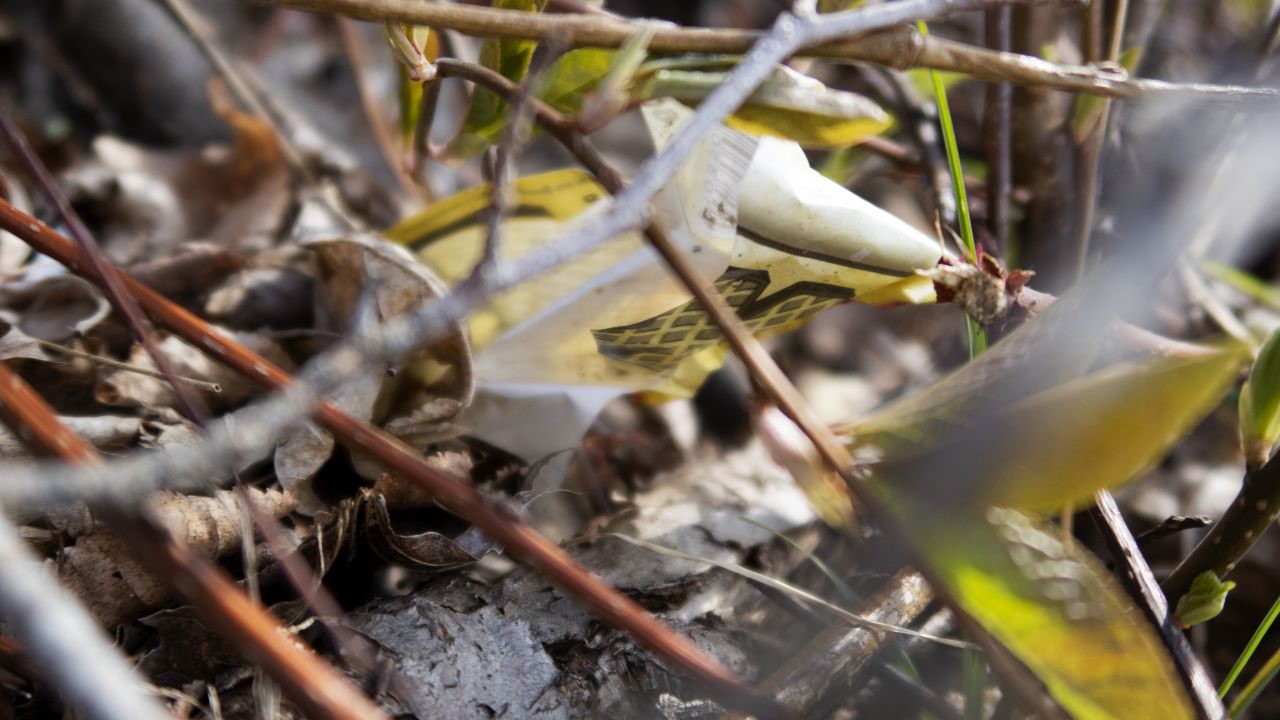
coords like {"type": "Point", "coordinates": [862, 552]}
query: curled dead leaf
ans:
{"type": "Point", "coordinates": [417, 401]}
{"type": "Point", "coordinates": [53, 308]}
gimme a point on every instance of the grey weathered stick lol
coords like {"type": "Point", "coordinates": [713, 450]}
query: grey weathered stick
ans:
{"type": "Point", "coordinates": [64, 642]}
{"type": "Point", "coordinates": [899, 49]}
{"type": "Point", "coordinates": [836, 656]}
{"type": "Point", "coordinates": [1141, 583]}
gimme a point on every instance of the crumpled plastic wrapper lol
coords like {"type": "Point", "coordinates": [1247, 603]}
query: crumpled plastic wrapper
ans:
{"type": "Point", "coordinates": [781, 241]}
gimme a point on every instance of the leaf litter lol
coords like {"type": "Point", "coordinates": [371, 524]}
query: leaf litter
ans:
{"type": "Point", "coordinates": [268, 229]}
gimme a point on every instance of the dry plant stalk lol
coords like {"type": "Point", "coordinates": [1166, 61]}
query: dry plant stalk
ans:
{"type": "Point", "coordinates": [315, 686]}
{"type": "Point", "coordinates": [900, 48]}
{"type": "Point", "coordinates": [839, 653]}
{"type": "Point", "coordinates": [788, 34]}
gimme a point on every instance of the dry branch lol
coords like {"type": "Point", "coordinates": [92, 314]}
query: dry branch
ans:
{"type": "Point", "coordinates": [1244, 523]}
{"type": "Point", "coordinates": [901, 49]}
{"type": "Point", "coordinates": [837, 655]}
{"type": "Point", "coordinates": [629, 210]}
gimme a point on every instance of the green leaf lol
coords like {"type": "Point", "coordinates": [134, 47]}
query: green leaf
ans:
{"type": "Point", "coordinates": [488, 112]}
{"type": "Point", "coordinates": [612, 97]}
{"type": "Point", "coordinates": [1260, 403]}
{"type": "Point", "coordinates": [411, 45]}
{"type": "Point", "coordinates": [1054, 607]}
{"type": "Point", "coordinates": [577, 73]}
{"type": "Point", "coordinates": [1205, 600]}
{"type": "Point", "coordinates": [788, 105]}
{"type": "Point", "coordinates": [409, 96]}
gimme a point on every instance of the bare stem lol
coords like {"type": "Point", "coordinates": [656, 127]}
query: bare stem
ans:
{"type": "Point", "coordinates": [901, 49]}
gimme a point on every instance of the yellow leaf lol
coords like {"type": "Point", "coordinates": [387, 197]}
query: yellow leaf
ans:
{"type": "Point", "coordinates": [1056, 609]}
{"type": "Point", "coordinates": [1101, 430]}
{"type": "Point", "coordinates": [1061, 444]}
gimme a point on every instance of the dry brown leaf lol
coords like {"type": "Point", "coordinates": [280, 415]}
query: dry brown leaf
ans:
{"type": "Point", "coordinates": [136, 214]}
{"type": "Point", "coordinates": [53, 308]}
{"type": "Point", "coordinates": [352, 268]}
{"type": "Point", "coordinates": [194, 269]}
{"type": "Point", "coordinates": [261, 297]}
{"type": "Point", "coordinates": [115, 587]}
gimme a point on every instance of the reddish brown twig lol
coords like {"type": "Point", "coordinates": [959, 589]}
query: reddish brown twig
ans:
{"type": "Point", "coordinates": [521, 539]}
{"type": "Point", "coordinates": [315, 686]}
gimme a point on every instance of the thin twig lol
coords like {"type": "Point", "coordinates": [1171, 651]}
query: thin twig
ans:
{"type": "Point", "coordinates": [921, 122]}
{"type": "Point", "coordinates": [1138, 577]}
{"type": "Point", "coordinates": [1248, 518]}
{"type": "Point", "coordinates": [60, 637]}
{"type": "Point", "coordinates": [1089, 151]}
{"type": "Point", "coordinates": [99, 268]}
{"type": "Point", "coordinates": [1257, 505]}
{"type": "Point", "coordinates": [422, 130]}
{"type": "Point", "coordinates": [901, 49]}
{"type": "Point", "coordinates": [258, 424]}
{"type": "Point", "coordinates": [233, 441]}
{"type": "Point", "coordinates": [628, 210]}
{"type": "Point", "coordinates": [199, 31]}
{"type": "Point", "coordinates": [836, 656]}
{"type": "Point", "coordinates": [406, 333]}
{"type": "Point", "coordinates": [58, 634]}
{"type": "Point", "coordinates": [357, 650]}
{"type": "Point", "coordinates": [108, 362]}
{"type": "Point", "coordinates": [504, 163]}
{"type": "Point", "coordinates": [998, 133]}
{"type": "Point", "coordinates": [927, 701]}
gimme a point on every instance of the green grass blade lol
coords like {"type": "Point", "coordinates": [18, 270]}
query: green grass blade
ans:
{"type": "Point", "coordinates": [1249, 649]}
{"type": "Point", "coordinates": [977, 337]}
{"type": "Point", "coordinates": [975, 685]}
{"type": "Point", "coordinates": [1255, 686]}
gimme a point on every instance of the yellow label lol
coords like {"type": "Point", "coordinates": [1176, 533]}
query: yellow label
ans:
{"type": "Point", "coordinates": [643, 338]}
